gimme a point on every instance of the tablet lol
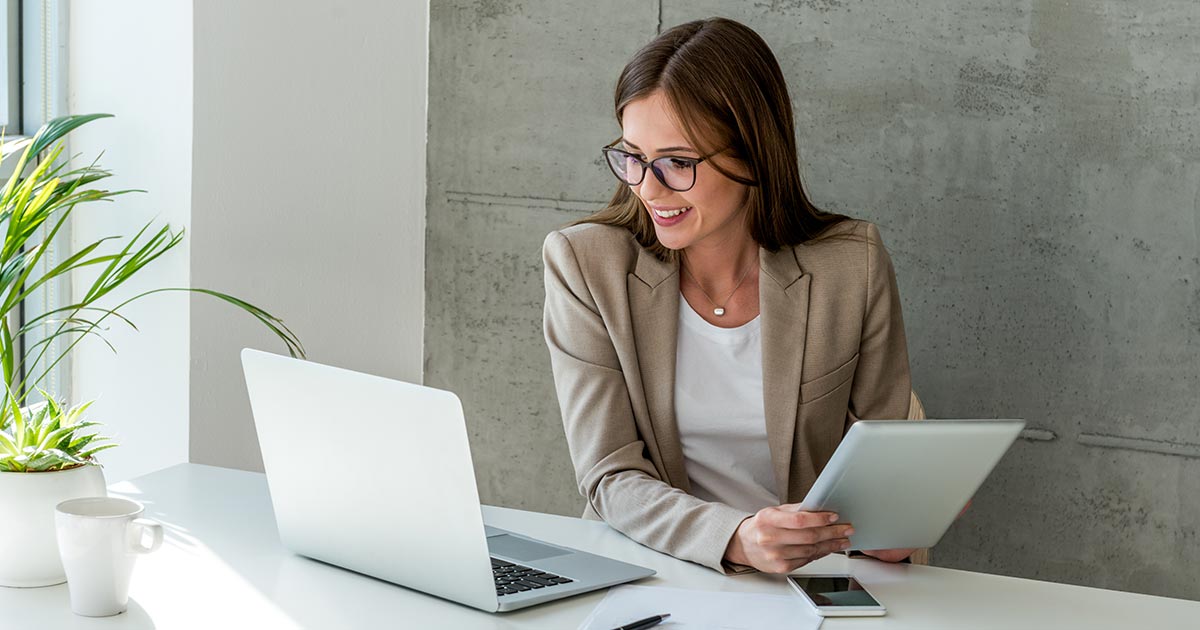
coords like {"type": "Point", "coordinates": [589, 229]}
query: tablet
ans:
{"type": "Point", "coordinates": [902, 484]}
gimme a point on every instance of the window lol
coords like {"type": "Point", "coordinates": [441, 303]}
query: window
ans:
{"type": "Point", "coordinates": [32, 91]}
{"type": "Point", "coordinates": [10, 70]}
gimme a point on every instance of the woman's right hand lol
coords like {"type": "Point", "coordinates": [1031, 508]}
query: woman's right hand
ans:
{"type": "Point", "coordinates": [781, 539]}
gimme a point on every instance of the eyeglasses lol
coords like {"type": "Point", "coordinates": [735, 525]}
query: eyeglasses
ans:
{"type": "Point", "coordinates": [676, 173]}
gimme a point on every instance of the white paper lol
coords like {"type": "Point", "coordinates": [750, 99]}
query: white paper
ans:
{"type": "Point", "coordinates": [708, 610]}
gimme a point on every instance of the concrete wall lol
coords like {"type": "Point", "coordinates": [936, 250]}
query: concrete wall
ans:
{"type": "Point", "coordinates": [308, 196]}
{"type": "Point", "coordinates": [1034, 167]}
{"type": "Point", "coordinates": [142, 390]}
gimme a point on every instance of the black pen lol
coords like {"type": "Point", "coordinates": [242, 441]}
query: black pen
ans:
{"type": "Point", "coordinates": [642, 624]}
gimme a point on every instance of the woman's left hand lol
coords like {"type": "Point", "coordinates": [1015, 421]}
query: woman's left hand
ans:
{"type": "Point", "coordinates": [889, 555]}
{"type": "Point", "coordinates": [897, 555]}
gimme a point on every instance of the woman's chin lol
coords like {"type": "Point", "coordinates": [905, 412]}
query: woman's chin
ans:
{"type": "Point", "coordinates": [672, 239]}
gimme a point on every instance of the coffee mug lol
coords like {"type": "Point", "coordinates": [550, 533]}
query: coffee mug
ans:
{"type": "Point", "coordinates": [99, 538]}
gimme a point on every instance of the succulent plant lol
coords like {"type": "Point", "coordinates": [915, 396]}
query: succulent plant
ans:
{"type": "Point", "coordinates": [47, 436]}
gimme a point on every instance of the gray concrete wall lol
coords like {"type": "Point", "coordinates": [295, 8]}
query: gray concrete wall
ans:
{"type": "Point", "coordinates": [1034, 167]}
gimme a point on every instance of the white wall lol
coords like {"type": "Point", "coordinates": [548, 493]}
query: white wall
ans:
{"type": "Point", "coordinates": [308, 180]}
{"type": "Point", "coordinates": [133, 58]}
{"type": "Point", "coordinates": [308, 196]}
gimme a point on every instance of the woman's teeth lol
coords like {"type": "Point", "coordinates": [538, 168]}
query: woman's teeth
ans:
{"type": "Point", "coordinates": [667, 214]}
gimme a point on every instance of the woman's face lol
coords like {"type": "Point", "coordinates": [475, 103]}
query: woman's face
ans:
{"type": "Point", "coordinates": [715, 207]}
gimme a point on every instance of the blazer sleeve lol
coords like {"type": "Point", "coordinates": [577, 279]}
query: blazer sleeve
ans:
{"type": "Point", "coordinates": [882, 388]}
{"type": "Point", "coordinates": [611, 467]}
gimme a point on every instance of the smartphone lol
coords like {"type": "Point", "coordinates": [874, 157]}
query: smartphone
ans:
{"type": "Point", "coordinates": [837, 595]}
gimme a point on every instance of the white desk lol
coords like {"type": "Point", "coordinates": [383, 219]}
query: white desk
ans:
{"type": "Point", "coordinates": [221, 567]}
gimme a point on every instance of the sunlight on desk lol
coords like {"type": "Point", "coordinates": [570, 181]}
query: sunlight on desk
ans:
{"type": "Point", "coordinates": [209, 580]}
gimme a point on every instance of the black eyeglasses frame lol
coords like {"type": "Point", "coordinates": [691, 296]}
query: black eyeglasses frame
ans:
{"type": "Point", "coordinates": [652, 166]}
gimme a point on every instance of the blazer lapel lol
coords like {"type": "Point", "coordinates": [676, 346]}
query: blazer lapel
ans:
{"type": "Point", "coordinates": [783, 306]}
{"type": "Point", "coordinates": [654, 312]}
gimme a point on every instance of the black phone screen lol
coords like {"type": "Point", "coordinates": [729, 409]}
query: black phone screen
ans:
{"type": "Point", "coordinates": [834, 590]}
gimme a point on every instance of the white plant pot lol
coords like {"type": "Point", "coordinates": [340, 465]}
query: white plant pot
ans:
{"type": "Point", "coordinates": [28, 547]}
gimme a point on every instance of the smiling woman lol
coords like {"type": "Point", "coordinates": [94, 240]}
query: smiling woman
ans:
{"type": "Point", "coordinates": [712, 333]}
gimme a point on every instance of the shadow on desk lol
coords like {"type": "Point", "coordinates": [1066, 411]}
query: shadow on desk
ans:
{"type": "Point", "coordinates": [53, 607]}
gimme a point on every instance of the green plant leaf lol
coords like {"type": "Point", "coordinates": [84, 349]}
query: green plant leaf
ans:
{"type": "Point", "coordinates": [52, 440]}
{"type": "Point", "coordinates": [53, 407]}
{"type": "Point", "coordinates": [76, 413]}
{"type": "Point", "coordinates": [38, 422]}
{"type": "Point", "coordinates": [79, 442]}
{"type": "Point", "coordinates": [6, 358]}
{"type": "Point", "coordinates": [7, 445]}
{"type": "Point", "coordinates": [44, 318]}
{"type": "Point", "coordinates": [91, 452]}
{"type": "Point", "coordinates": [50, 132]}
{"type": "Point", "coordinates": [70, 264]}
{"type": "Point", "coordinates": [100, 285]}
{"type": "Point", "coordinates": [33, 209]}
{"type": "Point", "coordinates": [276, 325]}
{"type": "Point", "coordinates": [52, 459]}
{"type": "Point", "coordinates": [83, 425]}
{"type": "Point", "coordinates": [18, 421]}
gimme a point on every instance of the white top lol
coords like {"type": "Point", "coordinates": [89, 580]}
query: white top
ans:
{"type": "Point", "coordinates": [719, 411]}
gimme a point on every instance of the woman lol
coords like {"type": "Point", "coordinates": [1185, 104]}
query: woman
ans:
{"type": "Point", "coordinates": [713, 334]}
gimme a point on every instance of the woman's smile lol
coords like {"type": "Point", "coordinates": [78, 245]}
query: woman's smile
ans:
{"type": "Point", "coordinates": [669, 216]}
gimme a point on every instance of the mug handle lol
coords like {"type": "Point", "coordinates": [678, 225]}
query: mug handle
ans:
{"type": "Point", "coordinates": [136, 529]}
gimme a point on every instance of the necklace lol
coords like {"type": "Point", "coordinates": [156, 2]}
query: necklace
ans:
{"type": "Point", "coordinates": [717, 310]}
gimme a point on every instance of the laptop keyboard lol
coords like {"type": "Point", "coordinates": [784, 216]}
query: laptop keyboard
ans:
{"type": "Point", "coordinates": [515, 578]}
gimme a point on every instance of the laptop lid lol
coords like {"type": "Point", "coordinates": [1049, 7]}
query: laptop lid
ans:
{"type": "Point", "coordinates": [371, 474]}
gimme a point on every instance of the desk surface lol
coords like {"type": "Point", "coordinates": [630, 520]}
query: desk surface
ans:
{"type": "Point", "coordinates": [221, 566]}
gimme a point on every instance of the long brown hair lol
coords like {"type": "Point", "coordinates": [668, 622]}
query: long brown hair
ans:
{"type": "Point", "coordinates": [727, 90]}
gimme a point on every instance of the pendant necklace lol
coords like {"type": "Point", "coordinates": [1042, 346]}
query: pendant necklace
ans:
{"type": "Point", "coordinates": [717, 310]}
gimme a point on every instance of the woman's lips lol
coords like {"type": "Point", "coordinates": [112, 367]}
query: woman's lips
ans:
{"type": "Point", "coordinates": [665, 221]}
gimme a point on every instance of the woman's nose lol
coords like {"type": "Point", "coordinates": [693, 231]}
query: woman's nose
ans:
{"type": "Point", "coordinates": [651, 188]}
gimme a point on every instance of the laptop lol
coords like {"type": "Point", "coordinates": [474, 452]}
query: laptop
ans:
{"type": "Point", "coordinates": [374, 475]}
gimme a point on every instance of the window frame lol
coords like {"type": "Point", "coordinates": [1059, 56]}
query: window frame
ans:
{"type": "Point", "coordinates": [13, 68]}
{"type": "Point", "coordinates": [42, 51]}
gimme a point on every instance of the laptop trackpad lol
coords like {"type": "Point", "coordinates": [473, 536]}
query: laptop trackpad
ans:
{"type": "Point", "coordinates": [522, 549]}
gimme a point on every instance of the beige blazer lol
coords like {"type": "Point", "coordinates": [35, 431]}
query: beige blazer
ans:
{"type": "Point", "coordinates": [833, 352]}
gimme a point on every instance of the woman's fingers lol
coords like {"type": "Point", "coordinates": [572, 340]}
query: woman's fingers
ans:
{"type": "Point", "coordinates": [780, 539]}
{"type": "Point", "coordinates": [782, 516]}
{"type": "Point", "coordinates": [889, 555]}
{"type": "Point", "coordinates": [807, 536]}
{"type": "Point", "coordinates": [812, 552]}
{"type": "Point", "coordinates": [786, 558]}
{"type": "Point", "coordinates": [818, 518]}
{"type": "Point", "coordinates": [809, 527]}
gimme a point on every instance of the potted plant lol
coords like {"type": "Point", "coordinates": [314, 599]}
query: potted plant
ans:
{"type": "Point", "coordinates": [47, 449]}
{"type": "Point", "coordinates": [47, 455]}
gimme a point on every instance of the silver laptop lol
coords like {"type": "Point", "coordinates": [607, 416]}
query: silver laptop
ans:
{"type": "Point", "coordinates": [375, 475]}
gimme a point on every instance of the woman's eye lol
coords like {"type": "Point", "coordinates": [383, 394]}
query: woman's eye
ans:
{"type": "Point", "coordinates": [680, 164]}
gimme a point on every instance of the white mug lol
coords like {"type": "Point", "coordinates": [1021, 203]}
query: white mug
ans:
{"type": "Point", "coordinates": [99, 538]}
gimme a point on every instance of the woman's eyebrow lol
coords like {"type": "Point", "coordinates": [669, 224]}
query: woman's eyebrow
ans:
{"type": "Point", "coordinates": [663, 150]}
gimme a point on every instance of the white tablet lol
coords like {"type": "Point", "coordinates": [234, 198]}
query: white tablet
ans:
{"type": "Point", "coordinates": [901, 484]}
